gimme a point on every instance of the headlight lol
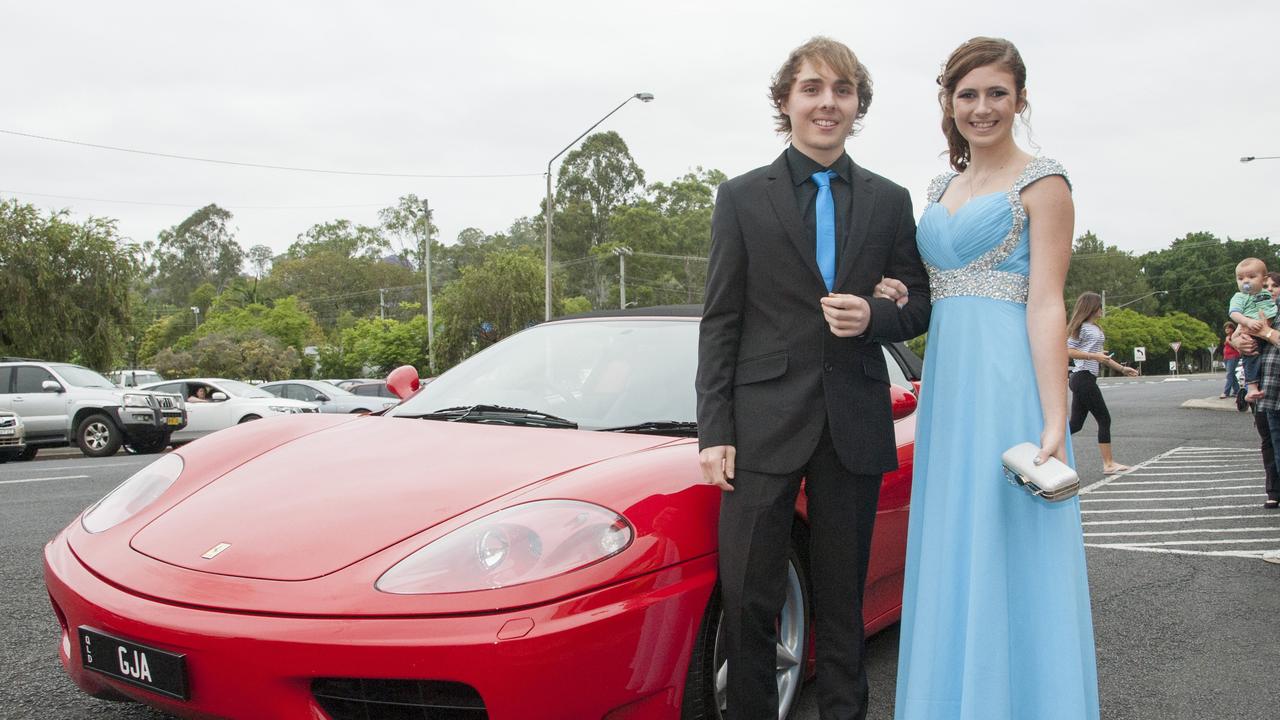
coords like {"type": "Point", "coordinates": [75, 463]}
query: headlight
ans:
{"type": "Point", "coordinates": [285, 409]}
{"type": "Point", "coordinates": [135, 400]}
{"type": "Point", "coordinates": [132, 495]}
{"type": "Point", "coordinates": [518, 545]}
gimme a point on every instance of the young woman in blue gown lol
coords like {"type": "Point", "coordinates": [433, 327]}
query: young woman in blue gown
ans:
{"type": "Point", "coordinates": [996, 623]}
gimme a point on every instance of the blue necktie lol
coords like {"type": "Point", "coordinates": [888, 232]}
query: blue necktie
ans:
{"type": "Point", "coordinates": [825, 220]}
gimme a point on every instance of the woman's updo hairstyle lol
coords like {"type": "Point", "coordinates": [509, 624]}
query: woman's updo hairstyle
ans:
{"type": "Point", "coordinates": [973, 54]}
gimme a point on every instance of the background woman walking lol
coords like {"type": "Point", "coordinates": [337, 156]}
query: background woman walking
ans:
{"type": "Point", "coordinates": [1084, 346]}
{"type": "Point", "coordinates": [1231, 358]}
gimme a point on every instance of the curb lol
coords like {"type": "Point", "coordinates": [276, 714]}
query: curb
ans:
{"type": "Point", "coordinates": [1213, 403]}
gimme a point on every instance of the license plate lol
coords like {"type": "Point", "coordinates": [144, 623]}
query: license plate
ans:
{"type": "Point", "coordinates": [173, 420]}
{"type": "Point", "coordinates": [8, 431]}
{"type": "Point", "coordinates": [127, 661]}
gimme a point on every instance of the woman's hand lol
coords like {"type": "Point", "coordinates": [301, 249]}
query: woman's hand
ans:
{"type": "Point", "coordinates": [1129, 372]}
{"type": "Point", "coordinates": [1052, 444]}
{"type": "Point", "coordinates": [891, 289]}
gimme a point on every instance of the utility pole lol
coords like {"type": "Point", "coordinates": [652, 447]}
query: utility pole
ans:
{"type": "Point", "coordinates": [382, 304]}
{"type": "Point", "coordinates": [426, 269]}
{"type": "Point", "coordinates": [622, 253]}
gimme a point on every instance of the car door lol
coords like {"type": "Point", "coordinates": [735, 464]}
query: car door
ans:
{"type": "Point", "coordinates": [43, 412]}
{"type": "Point", "coordinates": [195, 410]}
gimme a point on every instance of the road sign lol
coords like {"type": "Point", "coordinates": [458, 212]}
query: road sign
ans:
{"type": "Point", "coordinates": [1173, 366]}
{"type": "Point", "coordinates": [1176, 345]}
{"type": "Point", "coordinates": [1139, 354]}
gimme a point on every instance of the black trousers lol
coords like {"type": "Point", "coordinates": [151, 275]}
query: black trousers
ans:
{"type": "Point", "coordinates": [1086, 398]}
{"type": "Point", "coordinates": [1268, 454]}
{"type": "Point", "coordinates": [755, 540]}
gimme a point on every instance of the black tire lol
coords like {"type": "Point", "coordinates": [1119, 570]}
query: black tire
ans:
{"type": "Point", "coordinates": [249, 418]}
{"type": "Point", "coordinates": [97, 436]}
{"type": "Point", "coordinates": [148, 447]}
{"type": "Point", "coordinates": [27, 454]}
{"type": "Point", "coordinates": [700, 693]}
{"type": "Point", "coordinates": [359, 411]}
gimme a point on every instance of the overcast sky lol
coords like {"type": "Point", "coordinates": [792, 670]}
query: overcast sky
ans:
{"type": "Point", "coordinates": [1149, 105]}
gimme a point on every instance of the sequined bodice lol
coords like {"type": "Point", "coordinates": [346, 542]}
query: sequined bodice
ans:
{"type": "Point", "coordinates": [982, 248]}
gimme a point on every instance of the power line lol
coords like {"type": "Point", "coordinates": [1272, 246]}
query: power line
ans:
{"type": "Point", "coordinates": [190, 205]}
{"type": "Point", "coordinates": [266, 166]}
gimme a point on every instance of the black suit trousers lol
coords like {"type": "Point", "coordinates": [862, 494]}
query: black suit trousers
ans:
{"type": "Point", "coordinates": [756, 530]}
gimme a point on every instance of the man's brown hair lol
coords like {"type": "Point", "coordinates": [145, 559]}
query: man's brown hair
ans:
{"type": "Point", "coordinates": [839, 59]}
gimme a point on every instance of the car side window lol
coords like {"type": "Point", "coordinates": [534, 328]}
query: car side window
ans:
{"type": "Point", "coordinates": [29, 379]}
{"type": "Point", "coordinates": [6, 376]}
{"type": "Point", "coordinates": [174, 388]}
{"type": "Point", "coordinates": [364, 390]}
{"type": "Point", "coordinates": [277, 390]}
{"type": "Point", "coordinates": [896, 375]}
{"type": "Point", "coordinates": [294, 391]}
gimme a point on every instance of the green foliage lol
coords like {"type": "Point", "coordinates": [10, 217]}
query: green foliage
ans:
{"type": "Point", "coordinates": [252, 356]}
{"type": "Point", "coordinates": [574, 305]}
{"type": "Point", "coordinates": [376, 347]}
{"type": "Point", "coordinates": [343, 238]}
{"type": "Point", "coordinates": [1198, 271]}
{"type": "Point", "coordinates": [1127, 329]}
{"type": "Point", "coordinates": [1098, 267]}
{"type": "Point", "coordinates": [486, 304]}
{"type": "Point", "coordinates": [65, 287]}
{"type": "Point", "coordinates": [334, 283]}
{"type": "Point", "coordinates": [200, 249]}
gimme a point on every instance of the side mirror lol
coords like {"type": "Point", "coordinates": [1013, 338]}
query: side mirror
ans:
{"type": "Point", "coordinates": [321, 397]}
{"type": "Point", "coordinates": [403, 381]}
{"type": "Point", "coordinates": [904, 401]}
{"type": "Point", "coordinates": [218, 396]}
{"type": "Point", "coordinates": [52, 386]}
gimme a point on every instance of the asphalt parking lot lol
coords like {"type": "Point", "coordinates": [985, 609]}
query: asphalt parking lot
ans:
{"type": "Point", "coordinates": [1185, 612]}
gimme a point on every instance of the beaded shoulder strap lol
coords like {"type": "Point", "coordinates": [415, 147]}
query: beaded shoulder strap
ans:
{"type": "Point", "coordinates": [938, 186]}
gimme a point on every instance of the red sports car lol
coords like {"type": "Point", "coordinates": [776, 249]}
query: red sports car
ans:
{"type": "Point", "coordinates": [526, 537]}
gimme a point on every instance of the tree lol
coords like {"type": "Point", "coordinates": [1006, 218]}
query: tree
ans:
{"type": "Point", "coordinates": [486, 304]}
{"type": "Point", "coordinates": [594, 181]}
{"type": "Point", "coordinates": [343, 238]}
{"type": "Point", "coordinates": [378, 347]}
{"type": "Point", "coordinates": [333, 283]}
{"type": "Point", "coordinates": [200, 249]}
{"type": "Point", "coordinates": [1198, 273]}
{"type": "Point", "coordinates": [65, 287]}
{"type": "Point", "coordinates": [1101, 268]}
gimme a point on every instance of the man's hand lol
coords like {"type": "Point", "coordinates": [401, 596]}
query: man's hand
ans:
{"type": "Point", "coordinates": [846, 315]}
{"type": "Point", "coordinates": [717, 465]}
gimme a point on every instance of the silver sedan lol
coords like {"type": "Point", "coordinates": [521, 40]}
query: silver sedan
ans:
{"type": "Point", "coordinates": [330, 398]}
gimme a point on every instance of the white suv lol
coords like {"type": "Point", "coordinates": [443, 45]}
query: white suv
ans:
{"type": "Point", "coordinates": [61, 404]}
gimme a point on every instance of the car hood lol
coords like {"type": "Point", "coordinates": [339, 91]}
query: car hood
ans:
{"type": "Point", "coordinates": [323, 501]}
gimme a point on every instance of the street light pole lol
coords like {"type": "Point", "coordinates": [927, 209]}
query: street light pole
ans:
{"type": "Point", "coordinates": [546, 212]}
{"type": "Point", "coordinates": [1144, 297]}
{"type": "Point", "coordinates": [1251, 158]}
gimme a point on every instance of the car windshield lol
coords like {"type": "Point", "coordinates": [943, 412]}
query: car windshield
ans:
{"type": "Point", "coordinates": [83, 377]}
{"type": "Point", "coordinates": [239, 389]}
{"type": "Point", "coordinates": [597, 373]}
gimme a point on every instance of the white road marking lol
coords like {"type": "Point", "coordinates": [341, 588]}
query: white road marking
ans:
{"type": "Point", "coordinates": [1191, 542]}
{"type": "Point", "coordinates": [1165, 474]}
{"type": "Point", "coordinates": [1181, 509]}
{"type": "Point", "coordinates": [1253, 554]}
{"type": "Point", "coordinates": [1193, 497]}
{"type": "Point", "coordinates": [1113, 491]}
{"type": "Point", "coordinates": [1202, 518]}
{"type": "Point", "coordinates": [1186, 482]}
{"type": "Point", "coordinates": [1175, 532]}
{"type": "Point", "coordinates": [42, 479]}
{"type": "Point", "coordinates": [81, 467]}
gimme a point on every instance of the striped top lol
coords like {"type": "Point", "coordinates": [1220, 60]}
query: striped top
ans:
{"type": "Point", "coordinates": [1091, 339]}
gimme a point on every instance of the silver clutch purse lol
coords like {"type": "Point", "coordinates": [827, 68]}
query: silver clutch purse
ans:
{"type": "Point", "coordinates": [1052, 480]}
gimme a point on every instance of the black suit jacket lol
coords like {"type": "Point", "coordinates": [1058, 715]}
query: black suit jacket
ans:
{"type": "Point", "coordinates": [770, 373]}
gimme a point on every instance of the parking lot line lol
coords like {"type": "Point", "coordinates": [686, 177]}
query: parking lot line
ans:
{"type": "Point", "coordinates": [42, 479]}
{"type": "Point", "coordinates": [1191, 482]}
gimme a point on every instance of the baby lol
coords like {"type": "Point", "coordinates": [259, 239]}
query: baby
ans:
{"type": "Point", "coordinates": [1253, 309]}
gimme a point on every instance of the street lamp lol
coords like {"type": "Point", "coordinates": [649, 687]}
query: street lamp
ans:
{"type": "Point", "coordinates": [1251, 158]}
{"type": "Point", "coordinates": [196, 311]}
{"type": "Point", "coordinates": [1143, 297]}
{"type": "Point", "coordinates": [642, 97]}
{"type": "Point", "coordinates": [426, 271]}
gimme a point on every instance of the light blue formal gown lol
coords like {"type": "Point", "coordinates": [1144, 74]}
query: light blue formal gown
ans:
{"type": "Point", "coordinates": [995, 611]}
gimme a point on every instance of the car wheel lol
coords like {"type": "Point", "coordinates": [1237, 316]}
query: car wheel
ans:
{"type": "Point", "coordinates": [29, 453]}
{"type": "Point", "coordinates": [359, 411]}
{"type": "Point", "coordinates": [706, 684]}
{"type": "Point", "coordinates": [249, 418]}
{"type": "Point", "coordinates": [148, 447]}
{"type": "Point", "coordinates": [97, 436]}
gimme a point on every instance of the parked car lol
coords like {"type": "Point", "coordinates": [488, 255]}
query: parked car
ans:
{"type": "Point", "coordinates": [528, 537]}
{"type": "Point", "coordinates": [349, 382]}
{"type": "Point", "coordinates": [13, 437]}
{"type": "Point", "coordinates": [374, 389]}
{"type": "Point", "coordinates": [330, 398]}
{"type": "Point", "coordinates": [214, 404]}
{"type": "Point", "coordinates": [134, 378]}
{"type": "Point", "coordinates": [61, 403]}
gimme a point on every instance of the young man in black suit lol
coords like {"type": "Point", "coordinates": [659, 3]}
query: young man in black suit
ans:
{"type": "Point", "coordinates": [792, 381]}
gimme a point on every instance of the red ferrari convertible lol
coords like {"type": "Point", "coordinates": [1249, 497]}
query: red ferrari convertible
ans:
{"type": "Point", "coordinates": [526, 537]}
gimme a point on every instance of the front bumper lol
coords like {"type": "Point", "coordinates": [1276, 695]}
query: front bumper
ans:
{"type": "Point", "coordinates": [616, 652]}
{"type": "Point", "coordinates": [142, 423]}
